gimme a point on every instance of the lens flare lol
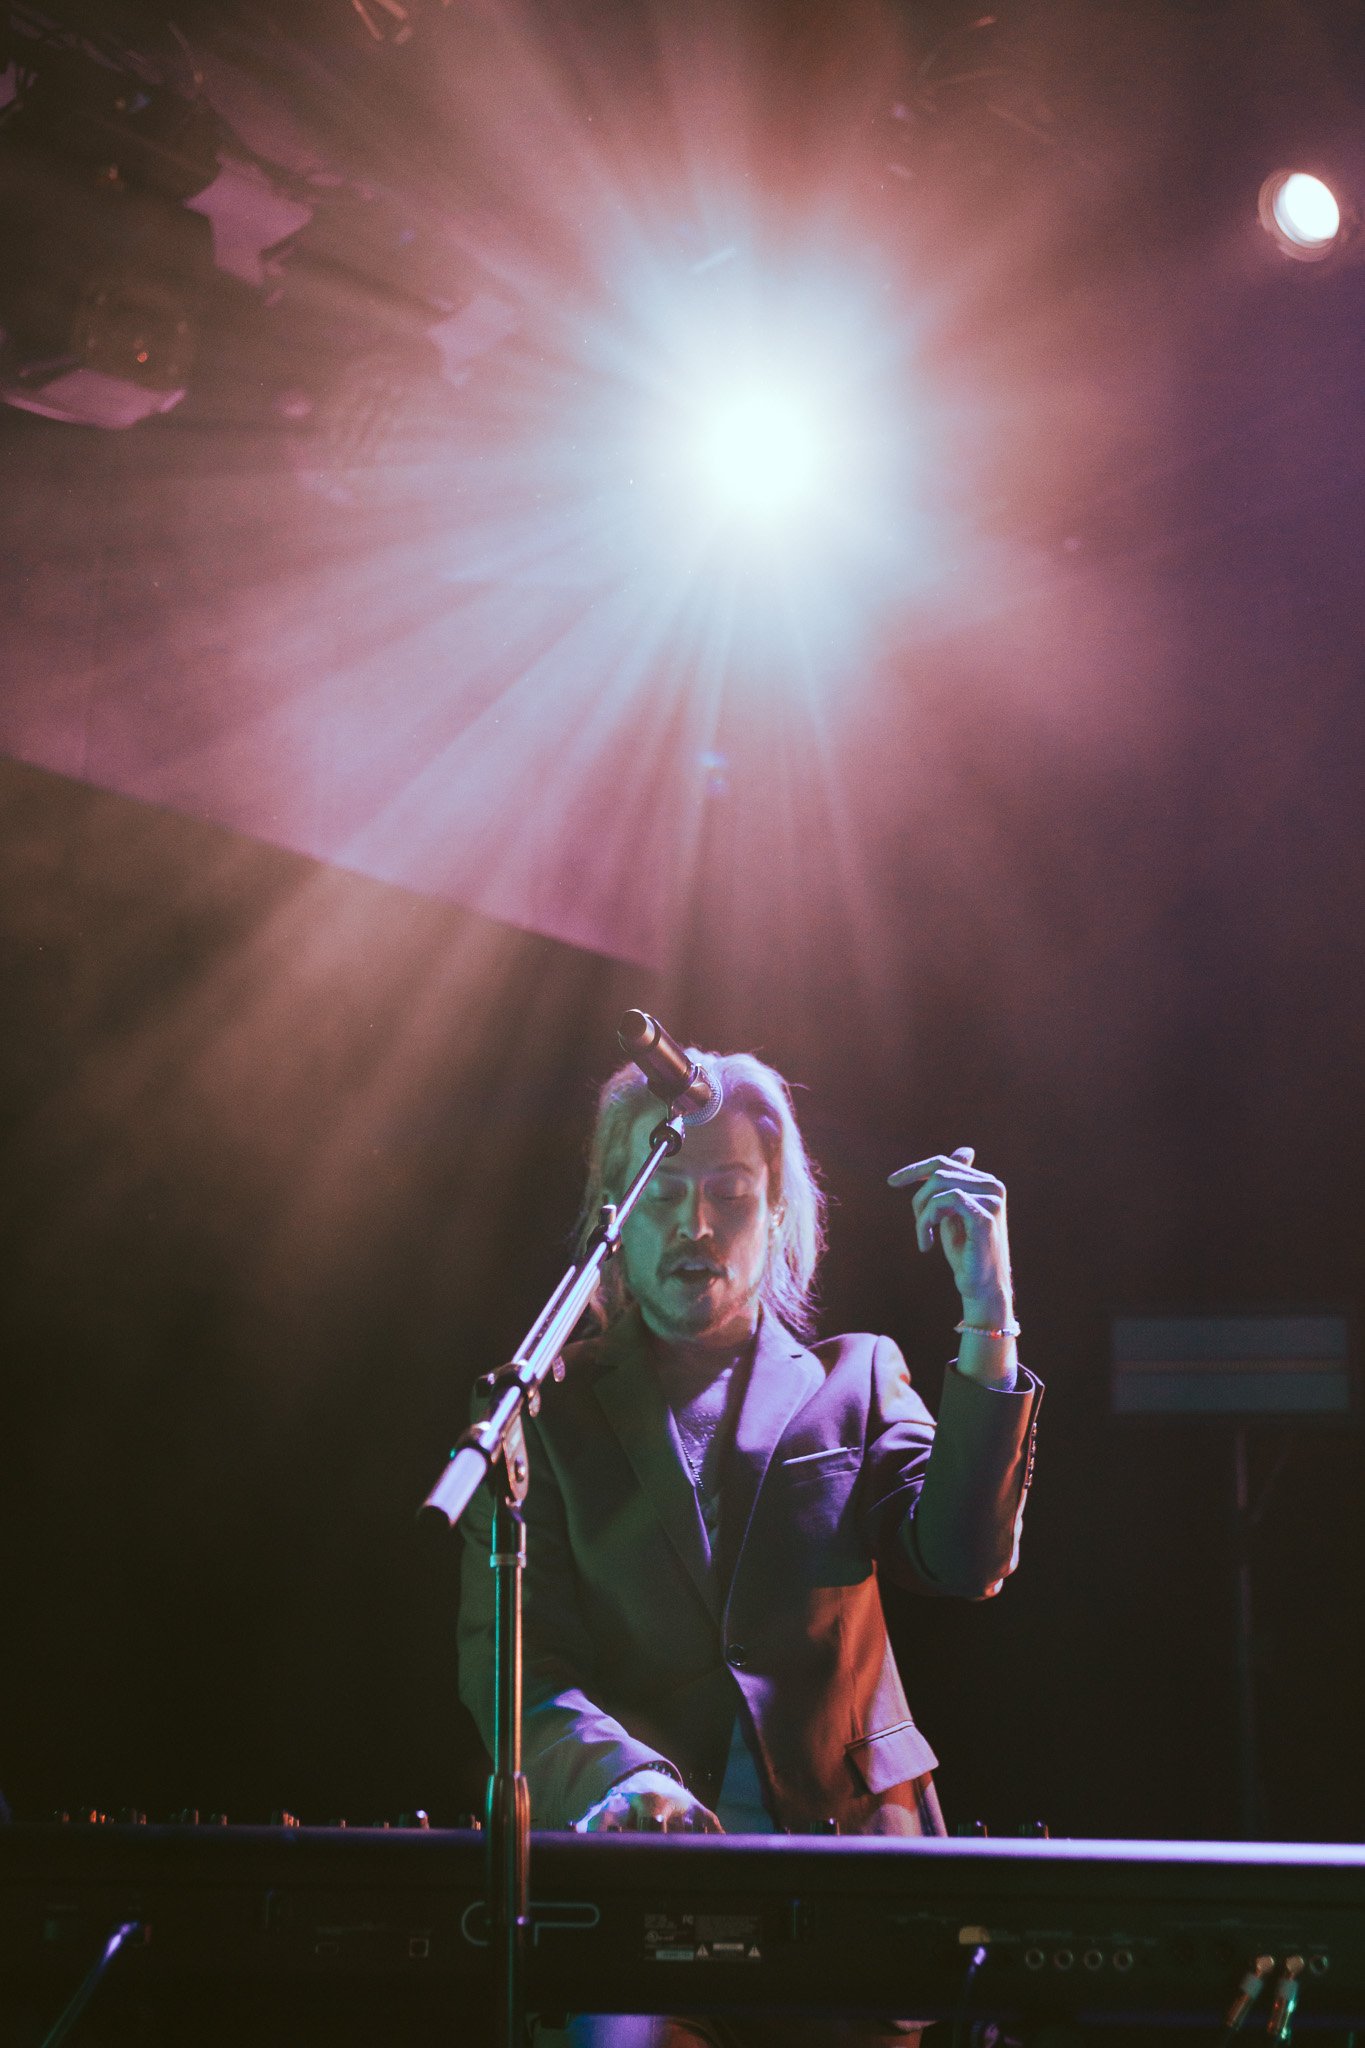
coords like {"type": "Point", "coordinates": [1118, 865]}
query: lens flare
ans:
{"type": "Point", "coordinates": [765, 452]}
{"type": "Point", "coordinates": [1301, 213]}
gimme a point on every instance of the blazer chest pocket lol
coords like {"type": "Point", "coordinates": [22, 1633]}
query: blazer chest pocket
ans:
{"type": "Point", "coordinates": [890, 1757]}
{"type": "Point", "coordinates": [834, 1467]}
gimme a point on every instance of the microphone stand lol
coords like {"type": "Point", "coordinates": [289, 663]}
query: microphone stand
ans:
{"type": "Point", "coordinates": [494, 1451]}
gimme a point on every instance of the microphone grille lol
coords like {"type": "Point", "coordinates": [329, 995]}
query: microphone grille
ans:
{"type": "Point", "coordinates": [714, 1103]}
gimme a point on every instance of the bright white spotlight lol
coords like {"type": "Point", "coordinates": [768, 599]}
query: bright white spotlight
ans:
{"type": "Point", "coordinates": [763, 451]}
{"type": "Point", "coordinates": [1301, 213]}
{"type": "Point", "coordinates": [1307, 211]}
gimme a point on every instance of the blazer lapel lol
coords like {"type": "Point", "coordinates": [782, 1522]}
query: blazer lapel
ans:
{"type": "Point", "coordinates": [782, 1379]}
{"type": "Point", "coordinates": [628, 1393]}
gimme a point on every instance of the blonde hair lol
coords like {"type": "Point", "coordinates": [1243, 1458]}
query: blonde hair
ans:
{"type": "Point", "coordinates": [798, 1203]}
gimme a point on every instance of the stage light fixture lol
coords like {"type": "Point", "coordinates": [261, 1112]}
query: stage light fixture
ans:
{"type": "Point", "coordinates": [105, 270]}
{"type": "Point", "coordinates": [761, 449]}
{"type": "Point", "coordinates": [1301, 213]}
{"type": "Point", "coordinates": [769, 453]}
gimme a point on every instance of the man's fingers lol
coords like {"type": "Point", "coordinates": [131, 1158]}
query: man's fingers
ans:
{"type": "Point", "coordinates": [983, 1196]}
{"type": "Point", "coordinates": [964, 1180]}
{"type": "Point", "coordinates": [922, 1169]}
{"type": "Point", "coordinates": [695, 1819]}
{"type": "Point", "coordinates": [984, 1204]}
{"type": "Point", "coordinates": [692, 1820]}
{"type": "Point", "coordinates": [906, 1176]}
{"type": "Point", "coordinates": [948, 1183]}
{"type": "Point", "coordinates": [962, 1202]}
{"type": "Point", "coordinates": [651, 1813]}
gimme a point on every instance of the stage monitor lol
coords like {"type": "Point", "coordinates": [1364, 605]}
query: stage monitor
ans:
{"type": "Point", "coordinates": [1238, 1367]}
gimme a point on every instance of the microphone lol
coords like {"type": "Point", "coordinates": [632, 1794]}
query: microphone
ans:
{"type": "Point", "coordinates": [689, 1089]}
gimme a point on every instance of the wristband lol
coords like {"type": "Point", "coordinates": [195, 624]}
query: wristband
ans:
{"type": "Point", "coordinates": [1010, 1329]}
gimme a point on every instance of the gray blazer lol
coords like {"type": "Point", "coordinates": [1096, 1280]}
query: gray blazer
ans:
{"type": "Point", "coordinates": [637, 1645]}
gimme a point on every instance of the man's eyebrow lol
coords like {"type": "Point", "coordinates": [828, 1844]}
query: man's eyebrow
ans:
{"type": "Point", "coordinates": [708, 1172]}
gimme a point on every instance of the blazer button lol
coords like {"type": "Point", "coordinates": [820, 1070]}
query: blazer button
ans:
{"type": "Point", "coordinates": [736, 1656]}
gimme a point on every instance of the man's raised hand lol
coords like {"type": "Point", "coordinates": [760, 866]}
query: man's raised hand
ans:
{"type": "Point", "coordinates": [965, 1209]}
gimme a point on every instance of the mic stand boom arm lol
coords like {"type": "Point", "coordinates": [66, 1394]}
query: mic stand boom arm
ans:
{"type": "Point", "coordinates": [483, 1446]}
{"type": "Point", "coordinates": [495, 1450]}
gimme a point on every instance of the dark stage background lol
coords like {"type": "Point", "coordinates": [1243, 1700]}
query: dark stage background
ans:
{"type": "Point", "coordinates": [1077, 876]}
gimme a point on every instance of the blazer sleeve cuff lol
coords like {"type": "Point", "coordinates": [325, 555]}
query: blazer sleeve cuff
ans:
{"type": "Point", "coordinates": [1027, 1386]}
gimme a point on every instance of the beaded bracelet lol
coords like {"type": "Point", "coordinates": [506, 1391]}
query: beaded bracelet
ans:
{"type": "Point", "coordinates": [977, 1330]}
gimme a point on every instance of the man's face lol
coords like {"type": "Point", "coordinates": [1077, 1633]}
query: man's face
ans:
{"type": "Point", "coordinates": [696, 1247]}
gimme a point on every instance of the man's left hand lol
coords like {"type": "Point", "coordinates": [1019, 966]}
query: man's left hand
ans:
{"type": "Point", "coordinates": [965, 1209]}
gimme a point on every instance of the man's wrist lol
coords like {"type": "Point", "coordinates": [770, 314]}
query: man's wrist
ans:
{"type": "Point", "coordinates": [994, 1311]}
{"type": "Point", "coordinates": [987, 1332]}
{"type": "Point", "coordinates": [655, 1770]}
{"type": "Point", "coordinates": [1000, 1374]}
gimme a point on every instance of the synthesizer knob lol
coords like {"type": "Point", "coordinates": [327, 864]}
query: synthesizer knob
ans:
{"type": "Point", "coordinates": [187, 1817]}
{"type": "Point", "coordinates": [971, 1827]}
{"type": "Point", "coordinates": [132, 1817]}
{"type": "Point", "coordinates": [62, 1819]}
{"type": "Point", "coordinates": [419, 1819]}
{"type": "Point", "coordinates": [218, 1820]}
{"type": "Point", "coordinates": [282, 1819]}
{"type": "Point", "coordinates": [1036, 1830]}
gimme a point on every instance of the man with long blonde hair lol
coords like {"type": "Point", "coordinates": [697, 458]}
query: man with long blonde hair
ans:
{"type": "Point", "coordinates": [714, 1500]}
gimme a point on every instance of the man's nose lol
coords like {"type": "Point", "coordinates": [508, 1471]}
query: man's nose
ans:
{"type": "Point", "coordinates": [695, 1219]}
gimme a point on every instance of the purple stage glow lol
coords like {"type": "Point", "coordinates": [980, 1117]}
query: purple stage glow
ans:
{"type": "Point", "coordinates": [999, 784]}
{"type": "Point", "coordinates": [649, 498]}
{"type": "Point", "coordinates": [716, 440]}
